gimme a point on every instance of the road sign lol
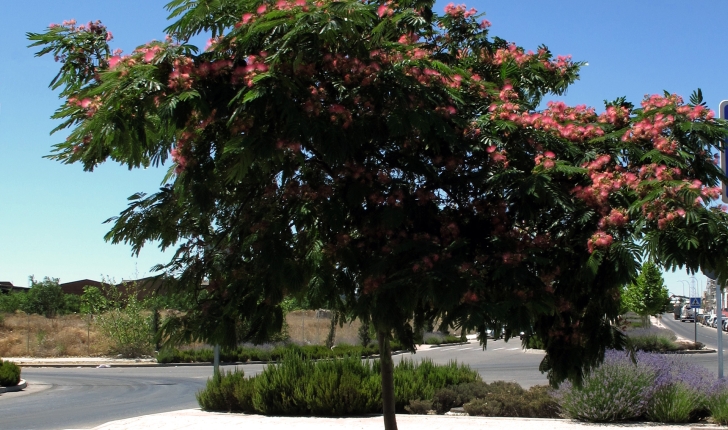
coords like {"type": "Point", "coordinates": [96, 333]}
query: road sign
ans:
{"type": "Point", "coordinates": [695, 302]}
{"type": "Point", "coordinates": [723, 114]}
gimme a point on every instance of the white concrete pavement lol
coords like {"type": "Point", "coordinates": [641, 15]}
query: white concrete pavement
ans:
{"type": "Point", "coordinates": [197, 419]}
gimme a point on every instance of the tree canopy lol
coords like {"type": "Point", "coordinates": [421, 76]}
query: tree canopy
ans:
{"type": "Point", "coordinates": [647, 295]}
{"type": "Point", "coordinates": [393, 162]}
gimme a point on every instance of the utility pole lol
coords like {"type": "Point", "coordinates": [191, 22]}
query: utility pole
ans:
{"type": "Point", "coordinates": [216, 360]}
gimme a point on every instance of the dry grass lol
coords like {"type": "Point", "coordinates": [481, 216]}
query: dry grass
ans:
{"type": "Point", "coordinates": [305, 328]}
{"type": "Point", "coordinates": [68, 335]}
{"type": "Point", "coordinates": [63, 336]}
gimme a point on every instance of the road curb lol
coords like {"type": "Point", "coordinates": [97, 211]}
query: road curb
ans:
{"type": "Point", "coordinates": [22, 385]}
{"type": "Point", "coordinates": [112, 364]}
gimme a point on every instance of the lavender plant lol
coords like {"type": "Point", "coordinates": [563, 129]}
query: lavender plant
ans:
{"type": "Point", "coordinates": [717, 402]}
{"type": "Point", "coordinates": [673, 403]}
{"type": "Point", "coordinates": [657, 387]}
{"type": "Point", "coordinates": [615, 391]}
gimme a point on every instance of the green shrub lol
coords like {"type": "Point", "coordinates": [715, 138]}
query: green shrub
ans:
{"type": "Point", "coordinates": [9, 374]}
{"type": "Point", "coordinates": [298, 385]}
{"type": "Point", "coordinates": [419, 407]}
{"type": "Point", "coordinates": [126, 325]}
{"type": "Point", "coordinates": [652, 343]}
{"type": "Point", "coordinates": [12, 302]}
{"type": "Point", "coordinates": [718, 407]}
{"type": "Point", "coordinates": [441, 340]}
{"type": "Point", "coordinates": [508, 399]}
{"type": "Point", "coordinates": [535, 342]}
{"type": "Point", "coordinates": [263, 353]}
{"type": "Point", "coordinates": [673, 403]}
{"type": "Point", "coordinates": [420, 381]}
{"type": "Point", "coordinates": [220, 392]}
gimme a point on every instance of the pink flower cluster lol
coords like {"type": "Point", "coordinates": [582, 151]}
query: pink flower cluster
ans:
{"type": "Point", "coordinates": [177, 153]}
{"type": "Point", "coordinates": [459, 11]}
{"type": "Point", "coordinates": [599, 240]}
{"type": "Point", "coordinates": [572, 123]}
{"type": "Point", "coordinates": [249, 17]}
{"type": "Point", "coordinates": [255, 65]}
{"type": "Point", "coordinates": [614, 115]}
{"type": "Point", "coordinates": [617, 218]}
{"type": "Point", "coordinates": [340, 113]}
{"type": "Point", "coordinates": [654, 129]}
{"type": "Point", "coordinates": [385, 9]}
{"type": "Point", "coordinates": [90, 105]}
{"type": "Point", "coordinates": [547, 159]}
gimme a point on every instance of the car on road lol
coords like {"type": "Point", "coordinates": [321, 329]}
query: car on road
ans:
{"type": "Point", "coordinates": [686, 315]}
{"type": "Point", "coordinates": [709, 321]}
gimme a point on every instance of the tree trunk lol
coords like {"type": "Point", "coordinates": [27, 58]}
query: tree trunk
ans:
{"type": "Point", "coordinates": [331, 338]}
{"type": "Point", "coordinates": [387, 367]}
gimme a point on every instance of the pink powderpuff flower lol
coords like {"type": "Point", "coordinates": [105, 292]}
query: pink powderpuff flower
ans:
{"type": "Point", "coordinates": [114, 61]}
{"type": "Point", "coordinates": [261, 9]}
{"type": "Point", "coordinates": [300, 3]}
{"type": "Point", "coordinates": [247, 17]}
{"type": "Point", "coordinates": [485, 24]}
{"type": "Point", "coordinates": [382, 10]}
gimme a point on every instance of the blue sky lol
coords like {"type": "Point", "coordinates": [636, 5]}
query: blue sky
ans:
{"type": "Point", "coordinates": [51, 214]}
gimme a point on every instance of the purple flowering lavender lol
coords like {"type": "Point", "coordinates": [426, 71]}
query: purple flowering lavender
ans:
{"type": "Point", "coordinates": [658, 387]}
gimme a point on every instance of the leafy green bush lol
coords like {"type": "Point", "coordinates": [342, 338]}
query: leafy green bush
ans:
{"type": "Point", "coordinates": [535, 342]}
{"type": "Point", "coordinates": [12, 302]}
{"type": "Point", "coordinates": [263, 353]}
{"type": "Point", "coordinates": [508, 399]}
{"type": "Point", "coordinates": [419, 407]}
{"type": "Point", "coordinates": [9, 374]}
{"type": "Point", "coordinates": [127, 326]}
{"type": "Point", "coordinates": [220, 392]}
{"type": "Point", "coordinates": [652, 343]}
{"type": "Point", "coordinates": [441, 340]}
{"type": "Point", "coordinates": [298, 385]}
{"type": "Point", "coordinates": [420, 381]}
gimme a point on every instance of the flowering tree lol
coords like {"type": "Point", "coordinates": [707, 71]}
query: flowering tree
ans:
{"type": "Point", "coordinates": [390, 161]}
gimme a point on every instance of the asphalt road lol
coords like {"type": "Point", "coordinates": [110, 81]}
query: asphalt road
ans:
{"type": "Point", "coordinates": [706, 335]}
{"type": "Point", "coordinates": [80, 398]}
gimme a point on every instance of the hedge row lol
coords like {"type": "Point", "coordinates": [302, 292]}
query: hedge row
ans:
{"type": "Point", "coordinates": [346, 386]}
{"type": "Point", "coordinates": [246, 353]}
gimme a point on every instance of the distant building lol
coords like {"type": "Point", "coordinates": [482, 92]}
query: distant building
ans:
{"type": "Point", "coordinates": [8, 287]}
{"type": "Point", "coordinates": [145, 287]}
{"type": "Point", "coordinates": [76, 287]}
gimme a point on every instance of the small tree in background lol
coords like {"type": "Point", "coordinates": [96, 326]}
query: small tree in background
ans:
{"type": "Point", "coordinates": [45, 297]}
{"type": "Point", "coordinates": [647, 295]}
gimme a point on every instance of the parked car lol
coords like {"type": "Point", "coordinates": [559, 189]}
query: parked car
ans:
{"type": "Point", "coordinates": [709, 320]}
